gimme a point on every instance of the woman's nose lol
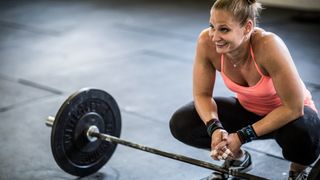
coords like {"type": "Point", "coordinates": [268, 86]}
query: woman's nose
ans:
{"type": "Point", "coordinates": [214, 35]}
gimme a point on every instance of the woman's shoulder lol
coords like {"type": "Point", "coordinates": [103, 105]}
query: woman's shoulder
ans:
{"type": "Point", "coordinates": [206, 48]}
{"type": "Point", "coordinates": [206, 44]}
{"type": "Point", "coordinates": [204, 38]}
{"type": "Point", "coordinates": [267, 47]}
{"type": "Point", "coordinates": [263, 40]}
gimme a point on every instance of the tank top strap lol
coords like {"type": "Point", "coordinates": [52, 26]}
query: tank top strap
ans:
{"type": "Point", "coordinates": [221, 62]}
{"type": "Point", "coordinates": [255, 63]}
{"type": "Point", "coordinates": [254, 60]}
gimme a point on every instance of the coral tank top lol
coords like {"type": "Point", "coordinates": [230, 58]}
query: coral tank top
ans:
{"type": "Point", "coordinates": [261, 98]}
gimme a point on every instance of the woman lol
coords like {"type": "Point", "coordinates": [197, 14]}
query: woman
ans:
{"type": "Point", "coordinates": [271, 100]}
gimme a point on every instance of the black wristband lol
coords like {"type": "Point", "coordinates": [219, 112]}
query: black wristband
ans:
{"type": "Point", "coordinates": [247, 134]}
{"type": "Point", "coordinates": [212, 125]}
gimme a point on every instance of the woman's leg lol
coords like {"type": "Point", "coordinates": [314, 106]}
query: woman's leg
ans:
{"type": "Point", "coordinates": [187, 126]}
{"type": "Point", "coordinates": [300, 139]}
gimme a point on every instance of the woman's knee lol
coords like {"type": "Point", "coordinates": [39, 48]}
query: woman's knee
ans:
{"type": "Point", "coordinates": [187, 127]}
{"type": "Point", "coordinates": [300, 139]}
{"type": "Point", "coordinates": [181, 122]}
{"type": "Point", "coordinates": [175, 125]}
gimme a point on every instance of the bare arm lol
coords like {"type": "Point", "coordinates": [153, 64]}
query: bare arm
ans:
{"type": "Point", "coordinates": [279, 65]}
{"type": "Point", "coordinates": [204, 74]}
{"type": "Point", "coordinates": [203, 81]}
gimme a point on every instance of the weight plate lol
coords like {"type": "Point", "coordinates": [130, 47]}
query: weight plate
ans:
{"type": "Point", "coordinates": [71, 148]}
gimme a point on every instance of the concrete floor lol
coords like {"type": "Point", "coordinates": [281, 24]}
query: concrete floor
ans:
{"type": "Point", "coordinates": [141, 52]}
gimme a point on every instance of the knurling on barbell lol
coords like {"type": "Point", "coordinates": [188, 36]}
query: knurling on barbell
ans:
{"type": "Point", "coordinates": [86, 131]}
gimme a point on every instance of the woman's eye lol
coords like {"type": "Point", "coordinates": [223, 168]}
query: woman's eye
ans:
{"type": "Point", "coordinates": [224, 30]}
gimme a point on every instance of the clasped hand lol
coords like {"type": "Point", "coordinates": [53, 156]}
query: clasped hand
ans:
{"type": "Point", "coordinates": [224, 145]}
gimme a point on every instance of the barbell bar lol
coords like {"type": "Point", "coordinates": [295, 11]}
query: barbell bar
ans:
{"type": "Point", "coordinates": [93, 134]}
{"type": "Point", "coordinates": [86, 130]}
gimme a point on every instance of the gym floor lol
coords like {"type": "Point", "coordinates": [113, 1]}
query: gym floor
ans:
{"type": "Point", "coordinates": [141, 52]}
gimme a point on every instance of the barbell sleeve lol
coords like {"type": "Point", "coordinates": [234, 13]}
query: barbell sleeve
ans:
{"type": "Point", "coordinates": [49, 121]}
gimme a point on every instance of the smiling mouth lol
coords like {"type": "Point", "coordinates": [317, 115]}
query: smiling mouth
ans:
{"type": "Point", "coordinates": [221, 44]}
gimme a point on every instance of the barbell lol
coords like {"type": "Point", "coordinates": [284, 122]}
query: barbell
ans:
{"type": "Point", "coordinates": [86, 131]}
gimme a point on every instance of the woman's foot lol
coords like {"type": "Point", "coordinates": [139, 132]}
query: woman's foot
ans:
{"type": "Point", "coordinates": [241, 164]}
{"type": "Point", "coordinates": [297, 172]}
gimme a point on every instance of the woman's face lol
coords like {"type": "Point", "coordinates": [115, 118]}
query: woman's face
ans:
{"type": "Point", "coordinates": [225, 32]}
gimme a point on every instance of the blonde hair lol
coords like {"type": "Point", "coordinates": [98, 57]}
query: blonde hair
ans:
{"type": "Point", "coordinates": [242, 10]}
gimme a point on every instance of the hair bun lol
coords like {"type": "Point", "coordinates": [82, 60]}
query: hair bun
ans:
{"type": "Point", "coordinates": [251, 1]}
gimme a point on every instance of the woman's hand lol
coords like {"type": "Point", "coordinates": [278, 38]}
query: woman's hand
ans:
{"type": "Point", "coordinates": [225, 145]}
{"type": "Point", "coordinates": [234, 144]}
{"type": "Point", "coordinates": [219, 142]}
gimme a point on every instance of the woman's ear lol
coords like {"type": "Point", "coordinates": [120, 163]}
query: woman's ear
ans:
{"type": "Point", "coordinates": [248, 27]}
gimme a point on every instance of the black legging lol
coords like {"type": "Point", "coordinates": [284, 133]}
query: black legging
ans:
{"type": "Point", "coordinates": [299, 139]}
